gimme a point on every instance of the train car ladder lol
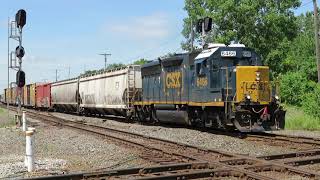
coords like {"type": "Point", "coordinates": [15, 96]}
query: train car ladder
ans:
{"type": "Point", "coordinates": [131, 88]}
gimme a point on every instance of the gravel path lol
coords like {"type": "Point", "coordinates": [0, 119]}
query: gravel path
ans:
{"type": "Point", "coordinates": [59, 150]}
{"type": "Point", "coordinates": [188, 136]}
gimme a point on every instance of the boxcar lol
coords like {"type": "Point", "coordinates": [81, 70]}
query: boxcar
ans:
{"type": "Point", "coordinates": [110, 92]}
{"type": "Point", "coordinates": [6, 95]}
{"type": "Point", "coordinates": [43, 96]}
{"type": "Point", "coordinates": [64, 95]}
{"type": "Point", "coordinates": [29, 95]}
{"type": "Point", "coordinates": [2, 98]}
{"type": "Point", "coordinates": [13, 96]}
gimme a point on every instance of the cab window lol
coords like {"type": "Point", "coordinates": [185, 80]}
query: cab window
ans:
{"type": "Point", "coordinates": [200, 67]}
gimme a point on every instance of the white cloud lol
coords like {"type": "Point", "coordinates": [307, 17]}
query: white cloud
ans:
{"type": "Point", "coordinates": [154, 26]}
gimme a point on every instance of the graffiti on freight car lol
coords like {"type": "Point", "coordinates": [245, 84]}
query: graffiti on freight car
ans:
{"type": "Point", "coordinates": [173, 79]}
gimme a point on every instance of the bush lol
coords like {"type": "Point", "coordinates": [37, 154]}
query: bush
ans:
{"type": "Point", "coordinates": [311, 103]}
{"type": "Point", "coordinates": [294, 86]}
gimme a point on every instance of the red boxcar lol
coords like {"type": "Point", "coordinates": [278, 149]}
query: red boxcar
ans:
{"type": "Point", "coordinates": [43, 96]}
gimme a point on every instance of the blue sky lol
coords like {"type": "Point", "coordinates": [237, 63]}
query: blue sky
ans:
{"type": "Point", "coordinates": [60, 34]}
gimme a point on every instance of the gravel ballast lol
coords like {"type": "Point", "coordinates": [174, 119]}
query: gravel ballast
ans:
{"type": "Point", "coordinates": [61, 150]}
{"type": "Point", "coordinates": [188, 136]}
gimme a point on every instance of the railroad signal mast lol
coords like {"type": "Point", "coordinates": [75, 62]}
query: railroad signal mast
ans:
{"type": "Point", "coordinates": [15, 57]}
{"type": "Point", "coordinates": [204, 25]}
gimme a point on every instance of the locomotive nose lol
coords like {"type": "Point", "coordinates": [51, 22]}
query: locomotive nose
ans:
{"type": "Point", "coordinates": [252, 84]}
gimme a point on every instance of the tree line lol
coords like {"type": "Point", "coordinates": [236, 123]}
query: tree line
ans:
{"type": "Point", "coordinates": [284, 40]}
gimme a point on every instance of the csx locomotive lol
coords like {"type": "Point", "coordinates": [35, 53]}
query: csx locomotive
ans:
{"type": "Point", "coordinates": [217, 87]}
{"type": "Point", "coordinates": [221, 86]}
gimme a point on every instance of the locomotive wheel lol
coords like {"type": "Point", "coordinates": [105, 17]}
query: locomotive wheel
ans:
{"type": "Point", "coordinates": [219, 121]}
{"type": "Point", "coordinates": [141, 115]}
{"type": "Point", "coordinates": [206, 120]}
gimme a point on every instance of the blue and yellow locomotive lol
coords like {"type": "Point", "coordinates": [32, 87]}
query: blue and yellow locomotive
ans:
{"type": "Point", "coordinates": [218, 87]}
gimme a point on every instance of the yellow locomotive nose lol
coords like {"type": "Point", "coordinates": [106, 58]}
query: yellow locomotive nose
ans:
{"type": "Point", "coordinates": [252, 84]}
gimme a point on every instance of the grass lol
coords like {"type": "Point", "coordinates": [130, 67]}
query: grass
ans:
{"type": "Point", "coordinates": [296, 119]}
{"type": "Point", "coordinates": [2, 110]}
{"type": "Point", "coordinates": [4, 122]}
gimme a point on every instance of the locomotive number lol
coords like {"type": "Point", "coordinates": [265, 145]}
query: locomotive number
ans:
{"type": "Point", "coordinates": [202, 82]}
{"type": "Point", "coordinates": [173, 80]}
{"type": "Point", "coordinates": [228, 53]}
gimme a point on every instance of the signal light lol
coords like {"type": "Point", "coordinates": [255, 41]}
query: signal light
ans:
{"type": "Point", "coordinates": [199, 26]}
{"type": "Point", "coordinates": [207, 24]}
{"type": "Point", "coordinates": [21, 18]}
{"type": "Point", "coordinates": [20, 78]}
{"type": "Point", "coordinates": [20, 51]}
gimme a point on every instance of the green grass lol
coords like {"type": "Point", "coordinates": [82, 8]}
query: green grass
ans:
{"type": "Point", "coordinates": [296, 119]}
{"type": "Point", "coordinates": [4, 122]}
{"type": "Point", "coordinates": [2, 110]}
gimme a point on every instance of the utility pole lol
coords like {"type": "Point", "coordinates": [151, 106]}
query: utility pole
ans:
{"type": "Point", "coordinates": [192, 35]}
{"type": "Point", "coordinates": [56, 75]}
{"type": "Point", "coordinates": [316, 36]}
{"type": "Point", "coordinates": [6, 93]}
{"type": "Point", "coordinates": [69, 72]}
{"type": "Point", "coordinates": [105, 59]}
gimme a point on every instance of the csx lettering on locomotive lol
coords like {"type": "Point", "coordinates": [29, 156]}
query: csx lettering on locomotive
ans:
{"type": "Point", "coordinates": [173, 79]}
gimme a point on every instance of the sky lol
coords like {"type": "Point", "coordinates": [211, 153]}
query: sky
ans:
{"type": "Point", "coordinates": [62, 35]}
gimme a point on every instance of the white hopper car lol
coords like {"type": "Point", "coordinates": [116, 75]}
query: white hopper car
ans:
{"type": "Point", "coordinates": [64, 95]}
{"type": "Point", "coordinates": [107, 93]}
{"type": "Point", "coordinates": [110, 92]}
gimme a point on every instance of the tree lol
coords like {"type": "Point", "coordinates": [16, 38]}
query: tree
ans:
{"type": "Point", "coordinates": [109, 67]}
{"type": "Point", "coordinates": [141, 61]}
{"type": "Point", "coordinates": [115, 66]}
{"type": "Point", "coordinates": [260, 24]}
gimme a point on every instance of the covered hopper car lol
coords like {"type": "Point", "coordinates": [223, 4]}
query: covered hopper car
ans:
{"type": "Point", "coordinates": [110, 92]}
{"type": "Point", "coordinates": [65, 96]}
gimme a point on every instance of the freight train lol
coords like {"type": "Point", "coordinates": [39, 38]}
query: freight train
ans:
{"type": "Point", "coordinates": [218, 87]}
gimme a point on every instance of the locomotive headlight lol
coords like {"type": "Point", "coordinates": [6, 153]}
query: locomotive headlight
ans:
{"type": "Point", "coordinates": [276, 97]}
{"type": "Point", "coordinates": [258, 76]}
{"type": "Point", "coordinates": [248, 97]}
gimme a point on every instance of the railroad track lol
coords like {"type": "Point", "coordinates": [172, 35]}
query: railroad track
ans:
{"type": "Point", "coordinates": [166, 153]}
{"type": "Point", "coordinates": [292, 142]}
